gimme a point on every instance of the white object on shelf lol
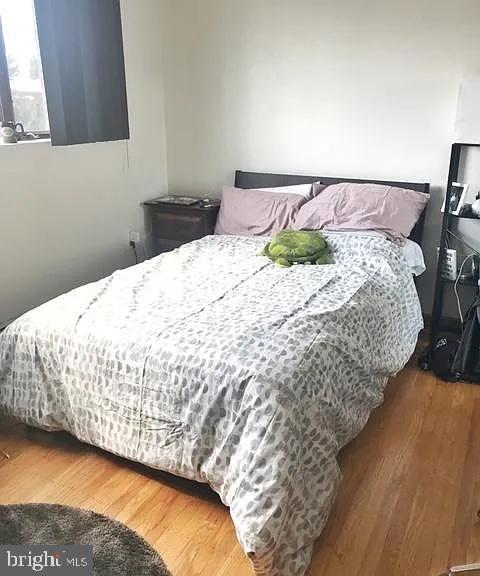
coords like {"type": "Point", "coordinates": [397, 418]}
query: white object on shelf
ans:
{"type": "Point", "coordinates": [457, 198]}
{"type": "Point", "coordinates": [449, 271]}
{"type": "Point", "coordinates": [476, 207]}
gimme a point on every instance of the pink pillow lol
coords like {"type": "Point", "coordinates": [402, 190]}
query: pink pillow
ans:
{"type": "Point", "coordinates": [393, 211]}
{"type": "Point", "coordinates": [256, 212]}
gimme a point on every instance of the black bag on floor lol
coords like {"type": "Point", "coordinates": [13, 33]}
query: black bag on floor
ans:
{"type": "Point", "coordinates": [466, 364]}
{"type": "Point", "coordinates": [439, 358]}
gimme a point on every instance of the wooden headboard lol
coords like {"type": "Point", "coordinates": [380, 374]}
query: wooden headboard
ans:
{"type": "Point", "coordinates": [261, 180]}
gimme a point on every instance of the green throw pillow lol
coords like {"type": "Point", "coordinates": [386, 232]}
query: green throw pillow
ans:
{"type": "Point", "coordinates": [298, 247]}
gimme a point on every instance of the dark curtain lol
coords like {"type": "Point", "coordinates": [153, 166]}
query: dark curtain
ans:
{"type": "Point", "coordinates": [81, 47]}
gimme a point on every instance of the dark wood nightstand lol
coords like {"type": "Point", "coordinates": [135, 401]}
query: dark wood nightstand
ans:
{"type": "Point", "coordinates": [174, 224]}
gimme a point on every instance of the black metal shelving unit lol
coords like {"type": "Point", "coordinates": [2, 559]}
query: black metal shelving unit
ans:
{"type": "Point", "coordinates": [453, 175]}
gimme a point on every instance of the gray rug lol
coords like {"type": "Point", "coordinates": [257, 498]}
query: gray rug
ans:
{"type": "Point", "coordinates": [117, 550]}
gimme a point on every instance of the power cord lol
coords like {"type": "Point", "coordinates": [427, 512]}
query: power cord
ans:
{"type": "Point", "coordinates": [134, 248]}
{"type": "Point", "coordinates": [455, 288]}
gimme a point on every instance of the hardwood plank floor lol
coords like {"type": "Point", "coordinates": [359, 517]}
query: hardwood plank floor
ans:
{"type": "Point", "coordinates": [408, 505]}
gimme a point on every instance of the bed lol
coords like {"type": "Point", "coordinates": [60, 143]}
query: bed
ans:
{"type": "Point", "coordinates": [212, 363]}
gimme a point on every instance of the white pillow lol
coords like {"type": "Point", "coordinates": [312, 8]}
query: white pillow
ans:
{"type": "Point", "coordinates": [304, 190]}
{"type": "Point", "coordinates": [413, 254]}
{"type": "Point", "coordinates": [411, 251]}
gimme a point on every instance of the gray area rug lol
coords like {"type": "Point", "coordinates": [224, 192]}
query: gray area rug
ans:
{"type": "Point", "coordinates": [117, 550]}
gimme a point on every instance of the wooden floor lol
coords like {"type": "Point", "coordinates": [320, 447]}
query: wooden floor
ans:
{"type": "Point", "coordinates": [408, 505]}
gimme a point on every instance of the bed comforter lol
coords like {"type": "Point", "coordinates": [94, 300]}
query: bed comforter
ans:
{"type": "Point", "coordinates": [214, 364]}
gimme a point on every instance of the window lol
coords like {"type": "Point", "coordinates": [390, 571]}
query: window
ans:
{"type": "Point", "coordinates": [22, 93]}
{"type": "Point", "coordinates": [68, 53]}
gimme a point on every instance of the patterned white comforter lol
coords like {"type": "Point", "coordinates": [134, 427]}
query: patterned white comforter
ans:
{"type": "Point", "coordinates": [212, 363]}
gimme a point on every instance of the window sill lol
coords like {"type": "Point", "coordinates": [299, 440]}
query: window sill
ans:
{"type": "Point", "coordinates": [27, 142]}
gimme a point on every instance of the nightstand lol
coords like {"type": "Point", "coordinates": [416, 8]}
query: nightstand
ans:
{"type": "Point", "coordinates": [175, 224]}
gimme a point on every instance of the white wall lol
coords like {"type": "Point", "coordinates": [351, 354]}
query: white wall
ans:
{"type": "Point", "coordinates": [342, 87]}
{"type": "Point", "coordinates": [65, 212]}
{"type": "Point", "coordinates": [330, 87]}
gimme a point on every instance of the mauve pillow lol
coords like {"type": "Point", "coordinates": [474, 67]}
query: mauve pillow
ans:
{"type": "Point", "coordinates": [393, 211]}
{"type": "Point", "coordinates": [256, 212]}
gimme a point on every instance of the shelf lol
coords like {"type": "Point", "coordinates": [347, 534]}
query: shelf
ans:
{"type": "Point", "coordinates": [464, 217]}
{"type": "Point", "coordinates": [471, 282]}
{"type": "Point", "coordinates": [467, 144]}
{"type": "Point", "coordinates": [453, 176]}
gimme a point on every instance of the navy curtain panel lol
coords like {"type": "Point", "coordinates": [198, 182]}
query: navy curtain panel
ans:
{"type": "Point", "coordinates": [81, 48]}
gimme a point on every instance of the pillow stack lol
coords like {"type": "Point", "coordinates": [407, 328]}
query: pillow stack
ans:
{"type": "Point", "coordinates": [346, 206]}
